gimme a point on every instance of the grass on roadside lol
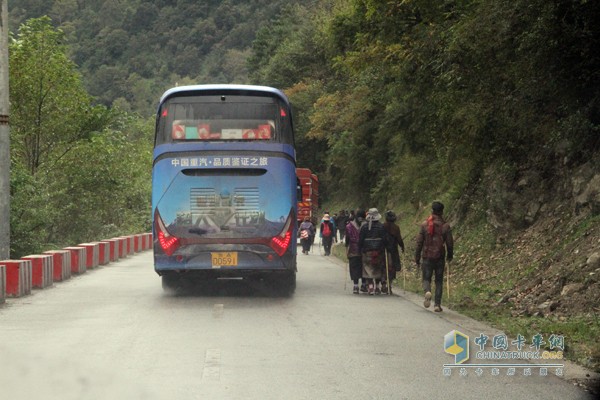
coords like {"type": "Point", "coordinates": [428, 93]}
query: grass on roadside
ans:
{"type": "Point", "coordinates": [479, 302]}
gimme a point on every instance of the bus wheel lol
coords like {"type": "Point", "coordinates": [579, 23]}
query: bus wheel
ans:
{"type": "Point", "coordinates": [170, 282]}
{"type": "Point", "coordinates": [285, 285]}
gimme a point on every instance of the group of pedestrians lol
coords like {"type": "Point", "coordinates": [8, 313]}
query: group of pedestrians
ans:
{"type": "Point", "coordinates": [329, 229]}
{"type": "Point", "coordinates": [373, 248]}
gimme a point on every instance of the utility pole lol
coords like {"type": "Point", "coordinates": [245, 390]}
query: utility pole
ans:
{"type": "Point", "coordinates": [4, 137]}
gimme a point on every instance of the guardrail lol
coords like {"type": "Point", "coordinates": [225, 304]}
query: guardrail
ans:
{"type": "Point", "coordinates": [2, 283]}
{"type": "Point", "coordinates": [40, 271]}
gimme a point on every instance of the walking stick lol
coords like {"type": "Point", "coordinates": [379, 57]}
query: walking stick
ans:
{"type": "Point", "coordinates": [448, 281]}
{"type": "Point", "coordinates": [403, 276]}
{"type": "Point", "coordinates": [346, 277]}
{"type": "Point", "coordinates": [387, 272]}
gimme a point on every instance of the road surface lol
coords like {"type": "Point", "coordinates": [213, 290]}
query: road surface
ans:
{"type": "Point", "coordinates": [112, 333]}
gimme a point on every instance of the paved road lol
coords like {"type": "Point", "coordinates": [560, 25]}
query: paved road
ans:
{"type": "Point", "coordinates": [113, 334]}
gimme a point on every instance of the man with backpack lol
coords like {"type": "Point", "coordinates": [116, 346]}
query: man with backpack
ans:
{"type": "Point", "coordinates": [327, 230]}
{"type": "Point", "coordinates": [436, 245]}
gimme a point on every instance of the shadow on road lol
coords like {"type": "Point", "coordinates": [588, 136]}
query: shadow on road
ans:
{"type": "Point", "coordinates": [233, 287]}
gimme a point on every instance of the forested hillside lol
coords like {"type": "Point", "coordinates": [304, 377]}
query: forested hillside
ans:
{"type": "Point", "coordinates": [491, 106]}
{"type": "Point", "coordinates": [130, 51]}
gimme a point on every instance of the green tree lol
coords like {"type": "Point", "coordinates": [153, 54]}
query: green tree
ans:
{"type": "Point", "coordinates": [50, 108]}
{"type": "Point", "coordinates": [73, 163]}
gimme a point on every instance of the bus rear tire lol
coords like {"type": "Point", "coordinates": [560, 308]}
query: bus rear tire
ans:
{"type": "Point", "coordinates": [170, 283]}
{"type": "Point", "coordinates": [285, 284]}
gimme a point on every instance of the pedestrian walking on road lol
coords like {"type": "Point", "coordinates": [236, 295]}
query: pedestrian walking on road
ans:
{"type": "Point", "coordinates": [327, 232]}
{"type": "Point", "coordinates": [341, 222]}
{"type": "Point", "coordinates": [393, 261]}
{"type": "Point", "coordinates": [306, 233]}
{"type": "Point", "coordinates": [436, 245]}
{"type": "Point", "coordinates": [353, 252]}
{"type": "Point", "coordinates": [373, 242]}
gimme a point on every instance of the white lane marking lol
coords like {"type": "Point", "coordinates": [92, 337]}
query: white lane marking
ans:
{"type": "Point", "coordinates": [212, 365]}
{"type": "Point", "coordinates": [218, 310]}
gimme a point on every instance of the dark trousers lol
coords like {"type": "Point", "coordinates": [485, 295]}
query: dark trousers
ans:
{"type": "Point", "coordinates": [306, 244]}
{"type": "Point", "coordinates": [393, 263]}
{"type": "Point", "coordinates": [429, 268]}
{"type": "Point", "coordinates": [355, 265]}
{"type": "Point", "coordinates": [327, 241]}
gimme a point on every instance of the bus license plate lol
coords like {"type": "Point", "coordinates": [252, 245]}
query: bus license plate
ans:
{"type": "Point", "coordinates": [225, 259]}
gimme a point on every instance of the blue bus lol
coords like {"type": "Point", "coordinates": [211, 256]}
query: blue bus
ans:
{"type": "Point", "coordinates": [224, 189]}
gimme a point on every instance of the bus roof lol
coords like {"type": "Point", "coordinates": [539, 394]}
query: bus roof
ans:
{"type": "Point", "coordinates": [223, 87]}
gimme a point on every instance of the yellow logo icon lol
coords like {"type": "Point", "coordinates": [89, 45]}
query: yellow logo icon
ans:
{"type": "Point", "coordinates": [457, 344]}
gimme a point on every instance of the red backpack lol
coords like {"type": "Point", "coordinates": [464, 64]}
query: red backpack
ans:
{"type": "Point", "coordinates": [326, 230]}
{"type": "Point", "coordinates": [434, 241]}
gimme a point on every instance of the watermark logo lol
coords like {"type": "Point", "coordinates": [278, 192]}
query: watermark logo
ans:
{"type": "Point", "coordinates": [499, 355]}
{"type": "Point", "coordinates": [457, 344]}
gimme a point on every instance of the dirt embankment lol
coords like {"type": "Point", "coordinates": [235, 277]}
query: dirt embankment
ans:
{"type": "Point", "coordinates": [536, 249]}
{"type": "Point", "coordinates": [544, 225]}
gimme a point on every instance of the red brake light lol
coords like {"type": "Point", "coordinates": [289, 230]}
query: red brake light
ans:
{"type": "Point", "coordinates": [281, 242]}
{"type": "Point", "coordinates": [165, 113]}
{"type": "Point", "coordinates": [167, 242]}
{"type": "Point", "coordinates": [283, 113]}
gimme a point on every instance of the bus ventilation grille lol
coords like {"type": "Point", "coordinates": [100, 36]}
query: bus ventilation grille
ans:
{"type": "Point", "coordinates": [220, 207]}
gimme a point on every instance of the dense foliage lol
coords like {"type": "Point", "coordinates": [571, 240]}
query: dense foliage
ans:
{"type": "Point", "coordinates": [396, 102]}
{"type": "Point", "coordinates": [131, 51]}
{"type": "Point", "coordinates": [487, 105]}
{"type": "Point", "coordinates": [415, 98]}
{"type": "Point", "coordinates": [79, 171]}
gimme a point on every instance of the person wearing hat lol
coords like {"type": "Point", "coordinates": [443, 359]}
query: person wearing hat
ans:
{"type": "Point", "coordinates": [327, 232]}
{"type": "Point", "coordinates": [373, 241]}
{"type": "Point", "coordinates": [352, 251]}
{"type": "Point", "coordinates": [436, 245]}
{"type": "Point", "coordinates": [393, 262]}
{"type": "Point", "coordinates": [306, 233]}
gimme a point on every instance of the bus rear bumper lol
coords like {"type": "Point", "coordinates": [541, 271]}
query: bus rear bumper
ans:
{"type": "Point", "coordinates": [279, 275]}
{"type": "Point", "coordinates": [248, 263]}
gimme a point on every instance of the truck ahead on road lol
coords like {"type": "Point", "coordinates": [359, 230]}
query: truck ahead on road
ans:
{"type": "Point", "coordinates": [308, 202]}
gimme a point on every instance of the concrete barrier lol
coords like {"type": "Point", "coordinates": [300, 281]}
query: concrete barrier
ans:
{"type": "Point", "coordinates": [78, 259]}
{"type": "Point", "coordinates": [18, 277]}
{"type": "Point", "coordinates": [92, 254]}
{"type": "Point", "coordinates": [122, 247]}
{"type": "Point", "coordinates": [113, 249]}
{"type": "Point", "coordinates": [2, 284]}
{"type": "Point", "coordinates": [62, 264]}
{"type": "Point", "coordinates": [137, 243]}
{"type": "Point", "coordinates": [42, 268]}
{"type": "Point", "coordinates": [104, 257]}
{"type": "Point", "coordinates": [130, 240]}
{"type": "Point", "coordinates": [145, 242]}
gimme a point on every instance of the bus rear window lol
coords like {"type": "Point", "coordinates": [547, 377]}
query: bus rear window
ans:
{"type": "Point", "coordinates": [223, 118]}
{"type": "Point", "coordinates": [230, 129]}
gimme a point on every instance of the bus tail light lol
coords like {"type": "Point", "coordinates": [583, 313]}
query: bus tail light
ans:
{"type": "Point", "coordinates": [281, 242]}
{"type": "Point", "coordinates": [168, 242]}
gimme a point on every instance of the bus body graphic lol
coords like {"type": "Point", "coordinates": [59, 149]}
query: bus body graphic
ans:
{"type": "Point", "coordinates": [224, 200]}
